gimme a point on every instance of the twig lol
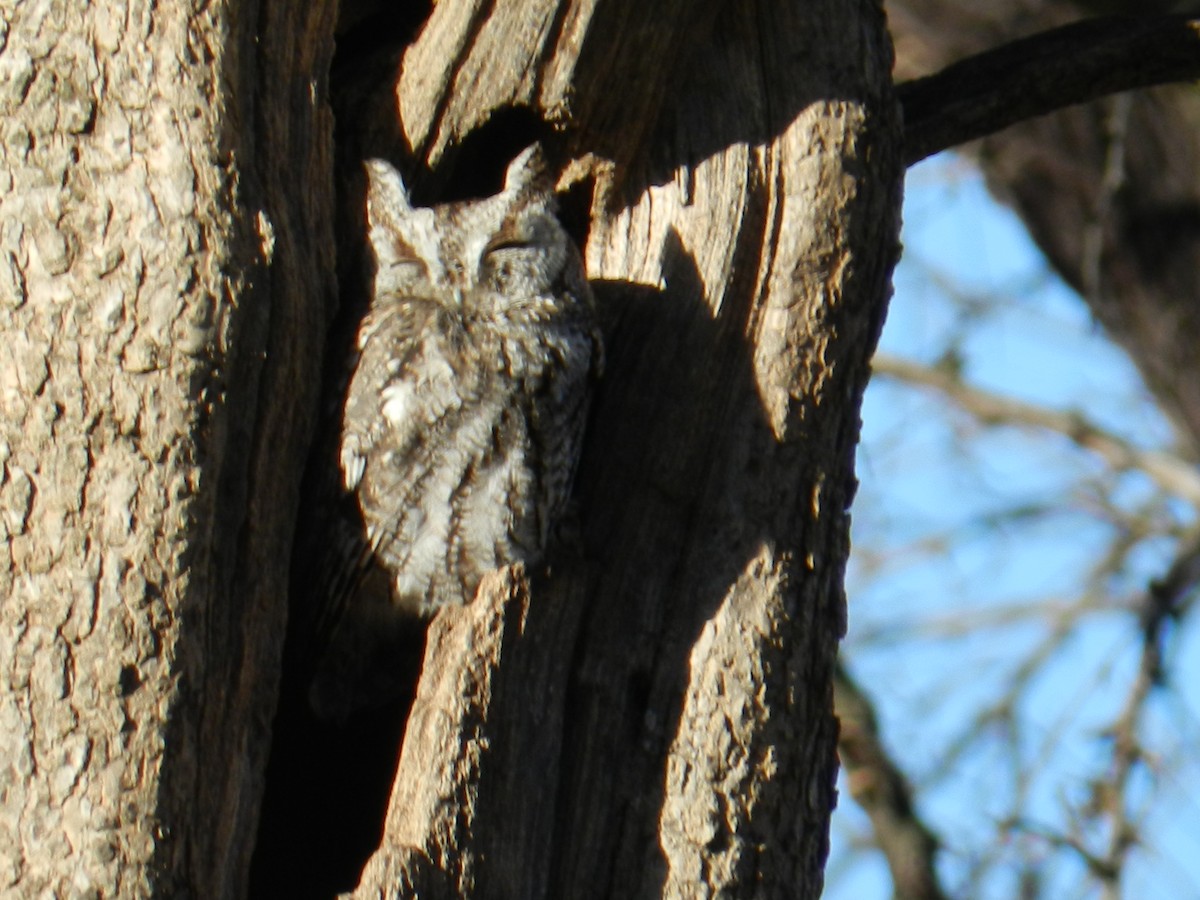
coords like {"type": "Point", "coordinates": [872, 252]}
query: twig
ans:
{"type": "Point", "coordinates": [1171, 473]}
{"type": "Point", "coordinates": [1164, 601]}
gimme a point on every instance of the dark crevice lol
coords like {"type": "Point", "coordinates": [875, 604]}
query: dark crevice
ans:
{"type": "Point", "coordinates": [475, 168]}
{"type": "Point", "coordinates": [327, 783]}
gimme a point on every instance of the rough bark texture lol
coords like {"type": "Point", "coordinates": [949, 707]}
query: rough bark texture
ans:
{"type": "Point", "coordinates": [1109, 191]}
{"type": "Point", "coordinates": [655, 719]}
{"type": "Point", "coordinates": [650, 716]}
{"type": "Point", "coordinates": [161, 282]}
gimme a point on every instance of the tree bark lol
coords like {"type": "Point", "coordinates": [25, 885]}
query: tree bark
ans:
{"type": "Point", "coordinates": [1033, 76]}
{"type": "Point", "coordinates": [163, 289]}
{"type": "Point", "coordinates": [651, 716]}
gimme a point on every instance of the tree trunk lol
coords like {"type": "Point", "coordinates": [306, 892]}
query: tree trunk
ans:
{"type": "Point", "coordinates": [649, 714]}
{"type": "Point", "coordinates": [162, 295]}
{"type": "Point", "coordinates": [652, 717]}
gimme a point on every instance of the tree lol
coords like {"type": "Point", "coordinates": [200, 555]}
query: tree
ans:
{"type": "Point", "coordinates": [1106, 189]}
{"type": "Point", "coordinates": [618, 660]}
{"type": "Point", "coordinates": [650, 715]}
{"type": "Point", "coordinates": [165, 288]}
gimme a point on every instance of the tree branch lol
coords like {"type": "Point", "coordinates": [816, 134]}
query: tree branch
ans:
{"type": "Point", "coordinates": [883, 793]}
{"type": "Point", "coordinates": [1172, 474]}
{"type": "Point", "coordinates": [1043, 73]}
{"type": "Point", "coordinates": [1166, 601]}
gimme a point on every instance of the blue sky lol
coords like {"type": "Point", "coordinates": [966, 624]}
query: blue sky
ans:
{"type": "Point", "coordinates": [969, 540]}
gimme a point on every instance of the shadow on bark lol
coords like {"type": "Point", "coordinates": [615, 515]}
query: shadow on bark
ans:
{"type": "Point", "coordinates": [682, 485]}
{"type": "Point", "coordinates": [575, 727]}
{"type": "Point", "coordinates": [652, 480]}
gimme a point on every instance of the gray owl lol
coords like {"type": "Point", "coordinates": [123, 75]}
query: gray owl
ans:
{"type": "Point", "coordinates": [463, 416]}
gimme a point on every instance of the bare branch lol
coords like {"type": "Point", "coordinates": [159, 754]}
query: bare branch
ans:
{"type": "Point", "coordinates": [1043, 73]}
{"type": "Point", "coordinates": [881, 790]}
{"type": "Point", "coordinates": [1097, 866]}
{"type": "Point", "coordinates": [1164, 602]}
{"type": "Point", "coordinates": [1171, 473]}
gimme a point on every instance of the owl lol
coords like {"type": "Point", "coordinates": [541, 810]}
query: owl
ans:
{"type": "Point", "coordinates": [463, 415]}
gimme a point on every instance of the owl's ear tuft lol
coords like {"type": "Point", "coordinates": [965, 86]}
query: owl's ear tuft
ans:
{"type": "Point", "coordinates": [385, 189]}
{"type": "Point", "coordinates": [528, 174]}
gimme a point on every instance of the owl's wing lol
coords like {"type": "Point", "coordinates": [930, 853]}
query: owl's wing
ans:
{"type": "Point", "coordinates": [561, 411]}
{"type": "Point", "coordinates": [389, 397]}
{"type": "Point", "coordinates": [409, 384]}
{"type": "Point", "coordinates": [405, 381]}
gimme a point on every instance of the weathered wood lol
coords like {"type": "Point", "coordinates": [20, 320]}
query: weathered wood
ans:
{"type": "Point", "coordinates": [601, 71]}
{"type": "Point", "coordinates": [683, 669]}
{"type": "Point", "coordinates": [651, 719]}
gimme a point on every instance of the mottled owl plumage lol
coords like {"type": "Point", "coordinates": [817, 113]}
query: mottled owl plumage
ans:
{"type": "Point", "coordinates": [463, 416]}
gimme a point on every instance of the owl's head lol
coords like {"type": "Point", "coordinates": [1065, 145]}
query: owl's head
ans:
{"type": "Point", "coordinates": [483, 255]}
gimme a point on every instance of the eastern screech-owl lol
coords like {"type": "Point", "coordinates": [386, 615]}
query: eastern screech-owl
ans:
{"type": "Point", "coordinates": [464, 413]}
